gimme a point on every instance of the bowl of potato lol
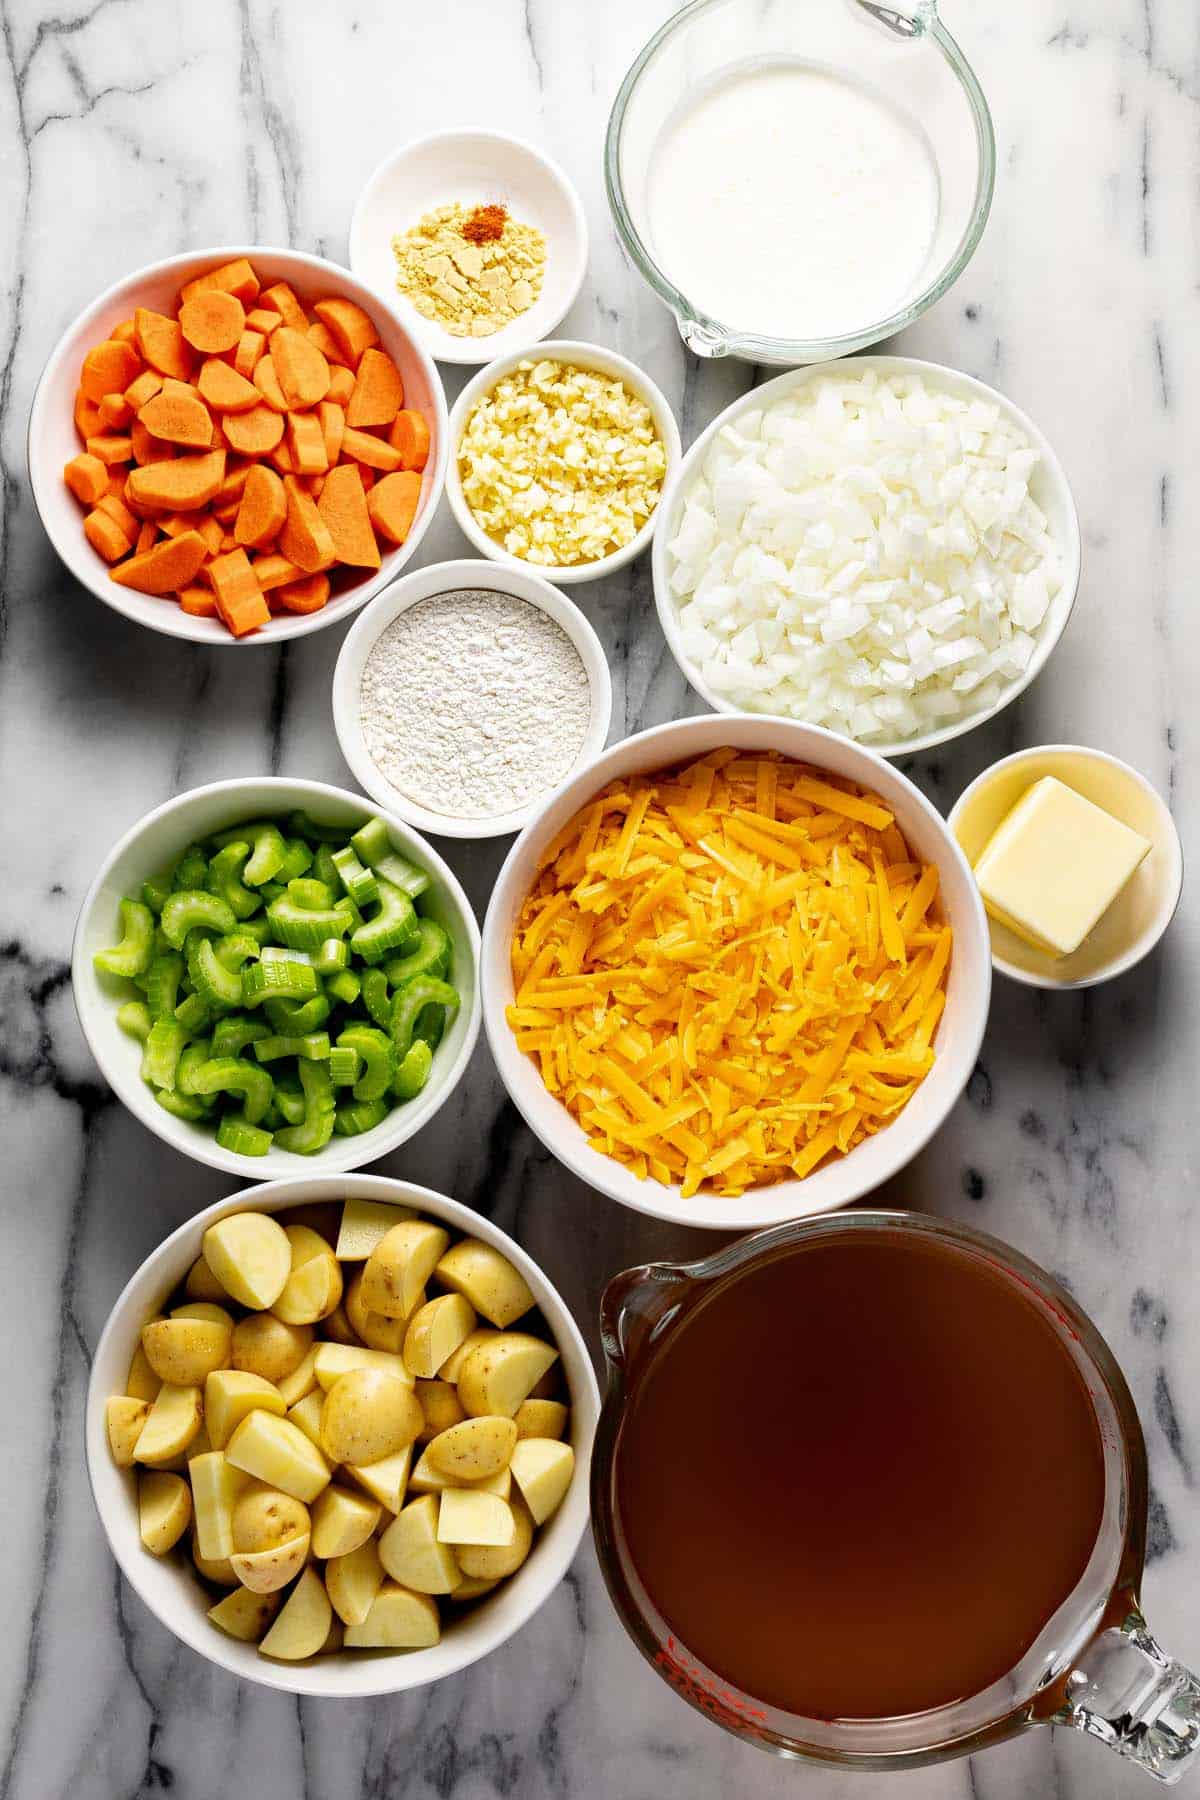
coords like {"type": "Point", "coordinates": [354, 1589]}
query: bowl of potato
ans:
{"type": "Point", "coordinates": [338, 1433]}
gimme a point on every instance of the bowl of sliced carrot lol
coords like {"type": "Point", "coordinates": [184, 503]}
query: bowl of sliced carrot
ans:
{"type": "Point", "coordinates": [238, 445]}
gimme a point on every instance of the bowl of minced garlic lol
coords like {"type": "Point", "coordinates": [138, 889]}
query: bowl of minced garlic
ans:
{"type": "Point", "coordinates": [736, 972]}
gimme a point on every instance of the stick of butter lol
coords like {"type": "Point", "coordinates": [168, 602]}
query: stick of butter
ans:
{"type": "Point", "coordinates": [1055, 865]}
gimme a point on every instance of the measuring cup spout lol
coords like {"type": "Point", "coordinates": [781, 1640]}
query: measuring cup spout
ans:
{"type": "Point", "coordinates": [636, 1306]}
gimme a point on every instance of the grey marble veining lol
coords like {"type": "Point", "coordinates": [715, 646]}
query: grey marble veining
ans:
{"type": "Point", "coordinates": [131, 129]}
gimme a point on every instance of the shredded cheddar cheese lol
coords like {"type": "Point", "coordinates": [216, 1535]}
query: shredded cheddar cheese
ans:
{"type": "Point", "coordinates": [730, 971]}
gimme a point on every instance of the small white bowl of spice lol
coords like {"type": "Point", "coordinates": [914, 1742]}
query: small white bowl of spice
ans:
{"type": "Point", "coordinates": [558, 460]}
{"type": "Point", "coordinates": [476, 237]}
{"type": "Point", "coordinates": [466, 694]}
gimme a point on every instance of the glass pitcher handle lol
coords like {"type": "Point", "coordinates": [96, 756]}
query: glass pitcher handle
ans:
{"type": "Point", "coordinates": [1132, 1696]}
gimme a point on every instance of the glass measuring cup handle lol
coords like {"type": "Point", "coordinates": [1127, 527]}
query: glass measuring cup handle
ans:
{"type": "Point", "coordinates": [1136, 1699]}
{"type": "Point", "coordinates": [907, 22]}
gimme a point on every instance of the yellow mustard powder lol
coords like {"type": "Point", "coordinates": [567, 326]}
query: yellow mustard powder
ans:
{"type": "Point", "coordinates": [470, 290]}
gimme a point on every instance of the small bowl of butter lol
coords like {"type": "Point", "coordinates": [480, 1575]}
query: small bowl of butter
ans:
{"type": "Point", "coordinates": [1078, 862]}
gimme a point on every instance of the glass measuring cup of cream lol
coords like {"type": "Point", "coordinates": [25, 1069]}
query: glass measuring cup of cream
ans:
{"type": "Point", "coordinates": [870, 1489]}
{"type": "Point", "coordinates": [799, 178]}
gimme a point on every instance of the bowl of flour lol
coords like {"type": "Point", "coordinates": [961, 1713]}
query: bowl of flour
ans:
{"type": "Point", "coordinates": [466, 693]}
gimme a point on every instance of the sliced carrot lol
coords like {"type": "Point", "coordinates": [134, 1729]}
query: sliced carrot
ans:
{"type": "Point", "coordinates": [227, 512]}
{"type": "Point", "coordinates": [115, 412]}
{"type": "Point", "coordinates": [301, 369]}
{"type": "Point", "coordinates": [374, 451]}
{"type": "Point", "coordinates": [110, 447]}
{"type": "Point", "coordinates": [341, 383]}
{"type": "Point", "coordinates": [263, 509]}
{"type": "Point", "coordinates": [333, 423]}
{"type": "Point", "coordinates": [201, 602]}
{"type": "Point", "coordinates": [305, 539]}
{"type": "Point", "coordinates": [392, 504]}
{"type": "Point", "coordinates": [253, 433]}
{"type": "Point", "coordinates": [87, 416]}
{"type": "Point", "coordinates": [212, 322]}
{"type": "Point", "coordinates": [87, 478]}
{"type": "Point", "coordinates": [179, 486]}
{"type": "Point", "coordinates": [352, 328]}
{"type": "Point", "coordinates": [147, 532]}
{"type": "Point", "coordinates": [285, 303]}
{"type": "Point", "coordinates": [281, 457]}
{"type": "Point", "coordinates": [160, 341]}
{"type": "Point", "coordinates": [378, 391]}
{"type": "Point", "coordinates": [125, 332]}
{"type": "Point", "coordinates": [175, 524]}
{"type": "Point", "coordinates": [306, 442]}
{"type": "Point", "coordinates": [306, 596]}
{"type": "Point", "coordinates": [171, 564]}
{"type": "Point", "coordinates": [264, 320]}
{"type": "Point", "coordinates": [177, 416]}
{"type": "Point", "coordinates": [237, 278]}
{"type": "Point", "coordinates": [343, 506]}
{"type": "Point", "coordinates": [143, 388]}
{"type": "Point", "coordinates": [315, 484]}
{"type": "Point", "coordinates": [273, 571]}
{"type": "Point", "coordinates": [222, 388]}
{"type": "Point", "coordinates": [410, 436]}
{"type": "Point", "coordinates": [250, 347]}
{"type": "Point", "coordinates": [320, 335]}
{"type": "Point", "coordinates": [237, 471]}
{"type": "Point", "coordinates": [267, 382]}
{"type": "Point", "coordinates": [240, 600]}
{"type": "Point", "coordinates": [106, 537]}
{"type": "Point", "coordinates": [118, 475]}
{"type": "Point", "coordinates": [119, 513]}
{"type": "Point", "coordinates": [146, 447]}
{"type": "Point", "coordinates": [108, 369]}
{"type": "Point", "coordinates": [368, 477]}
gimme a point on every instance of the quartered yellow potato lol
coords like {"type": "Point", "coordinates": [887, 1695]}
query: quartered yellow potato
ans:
{"type": "Point", "coordinates": [264, 1345]}
{"type": "Point", "coordinates": [466, 1516]}
{"type": "Point", "coordinates": [337, 1327]}
{"type": "Point", "coordinates": [541, 1419]}
{"type": "Point", "coordinates": [435, 1332]}
{"type": "Point", "coordinates": [202, 1284]}
{"type": "Point", "coordinates": [368, 1414]}
{"type": "Point", "coordinates": [364, 1223]}
{"type": "Point", "coordinates": [452, 1367]}
{"type": "Point", "coordinates": [314, 1284]}
{"type": "Point", "coordinates": [471, 1588]}
{"type": "Point", "coordinates": [335, 1637]}
{"type": "Point", "coordinates": [141, 1383]}
{"type": "Point", "coordinates": [171, 1425]}
{"type": "Point", "coordinates": [426, 1479]}
{"type": "Point", "coordinates": [487, 1279]}
{"type": "Point", "coordinates": [400, 1265]}
{"type": "Point", "coordinates": [264, 1519]}
{"type": "Point", "coordinates": [217, 1569]}
{"type": "Point", "coordinates": [341, 1521]}
{"type": "Point", "coordinates": [489, 1562]}
{"type": "Point", "coordinates": [164, 1510]}
{"type": "Point", "coordinates": [375, 1329]}
{"type": "Point", "coordinates": [303, 1625]}
{"type": "Point", "coordinates": [411, 1553]}
{"type": "Point", "coordinates": [335, 1360]}
{"type": "Point", "coordinates": [277, 1452]}
{"type": "Point", "coordinates": [250, 1256]}
{"type": "Point", "coordinates": [542, 1468]}
{"type": "Point", "coordinates": [204, 1309]}
{"type": "Point", "coordinates": [474, 1449]}
{"type": "Point", "coordinates": [353, 1581]}
{"type": "Point", "coordinates": [441, 1406]}
{"type": "Point", "coordinates": [245, 1615]}
{"type": "Point", "coordinates": [266, 1571]}
{"type": "Point", "coordinates": [398, 1620]}
{"type": "Point", "coordinates": [387, 1480]}
{"type": "Point", "coordinates": [229, 1394]}
{"type": "Point", "coordinates": [307, 1415]}
{"type": "Point", "coordinates": [124, 1419]}
{"type": "Point", "coordinates": [216, 1488]}
{"type": "Point", "coordinates": [301, 1381]}
{"type": "Point", "coordinates": [500, 1374]}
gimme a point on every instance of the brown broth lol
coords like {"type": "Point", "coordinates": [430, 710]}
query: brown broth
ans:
{"type": "Point", "coordinates": [858, 1479]}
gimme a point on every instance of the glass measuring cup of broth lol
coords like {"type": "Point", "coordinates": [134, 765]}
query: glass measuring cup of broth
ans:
{"type": "Point", "coordinates": [871, 1489]}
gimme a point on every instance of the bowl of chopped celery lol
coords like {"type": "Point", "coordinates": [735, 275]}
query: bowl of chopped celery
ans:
{"type": "Point", "coordinates": [274, 976]}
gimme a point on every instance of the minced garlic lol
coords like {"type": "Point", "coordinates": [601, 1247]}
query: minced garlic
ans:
{"type": "Point", "coordinates": [561, 464]}
{"type": "Point", "coordinates": [470, 289]}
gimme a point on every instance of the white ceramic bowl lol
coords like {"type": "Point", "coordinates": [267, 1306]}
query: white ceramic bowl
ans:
{"type": "Point", "coordinates": [1048, 486]}
{"type": "Point", "coordinates": [1143, 909]}
{"type": "Point", "coordinates": [584, 356]}
{"type": "Point", "coordinates": [441, 578]}
{"type": "Point", "coordinates": [160, 838]}
{"type": "Point", "coordinates": [170, 1587]}
{"type": "Point", "coordinates": [53, 440]}
{"type": "Point", "coordinates": [959, 1033]}
{"type": "Point", "coordinates": [471, 168]}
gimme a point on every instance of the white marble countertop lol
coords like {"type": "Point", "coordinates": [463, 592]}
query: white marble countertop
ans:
{"type": "Point", "coordinates": [131, 129]}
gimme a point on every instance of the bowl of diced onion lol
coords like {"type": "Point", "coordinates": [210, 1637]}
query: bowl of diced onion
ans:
{"type": "Point", "coordinates": [883, 547]}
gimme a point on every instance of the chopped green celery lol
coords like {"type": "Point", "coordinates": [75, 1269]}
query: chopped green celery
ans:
{"type": "Point", "coordinates": [236, 1133]}
{"type": "Point", "coordinates": [376, 998]}
{"type": "Point", "coordinates": [289, 1099]}
{"type": "Point", "coordinates": [300, 825]}
{"type": "Point", "coordinates": [379, 1064]}
{"type": "Point", "coordinates": [162, 983]}
{"type": "Point", "coordinates": [344, 1065]}
{"type": "Point", "coordinates": [193, 1058]}
{"type": "Point", "coordinates": [426, 990]}
{"type": "Point", "coordinates": [325, 869]}
{"type": "Point", "coordinates": [313, 896]}
{"type": "Point", "coordinates": [132, 955]}
{"type": "Point", "coordinates": [183, 1106]}
{"type": "Point", "coordinates": [268, 853]}
{"type": "Point", "coordinates": [134, 1017]}
{"type": "Point", "coordinates": [234, 1075]}
{"type": "Point", "coordinates": [413, 1072]}
{"type": "Point", "coordinates": [295, 1018]}
{"type": "Point", "coordinates": [239, 947]}
{"type": "Point", "coordinates": [191, 871]}
{"type": "Point", "coordinates": [394, 927]}
{"type": "Point", "coordinates": [358, 882]}
{"type": "Point", "coordinates": [214, 982]}
{"type": "Point", "coordinates": [316, 1128]}
{"type": "Point", "coordinates": [430, 1026]}
{"type": "Point", "coordinates": [193, 1014]}
{"type": "Point", "coordinates": [333, 955]}
{"type": "Point", "coordinates": [314, 1047]}
{"type": "Point", "coordinates": [298, 861]}
{"type": "Point", "coordinates": [224, 878]}
{"type": "Point", "coordinates": [162, 944]}
{"type": "Point", "coordinates": [431, 957]}
{"type": "Point", "coordinates": [374, 847]}
{"type": "Point", "coordinates": [271, 890]}
{"type": "Point", "coordinates": [350, 1121]}
{"type": "Point", "coordinates": [258, 928]}
{"type": "Point", "coordinates": [281, 953]}
{"type": "Point", "coordinates": [191, 909]}
{"type": "Point", "coordinates": [272, 1119]}
{"type": "Point", "coordinates": [344, 986]}
{"type": "Point", "coordinates": [231, 1035]}
{"type": "Point", "coordinates": [303, 929]}
{"type": "Point", "coordinates": [160, 1058]}
{"type": "Point", "coordinates": [156, 891]}
{"type": "Point", "coordinates": [277, 981]}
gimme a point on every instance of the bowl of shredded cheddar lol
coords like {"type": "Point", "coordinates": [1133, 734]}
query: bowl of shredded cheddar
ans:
{"type": "Point", "coordinates": [736, 971]}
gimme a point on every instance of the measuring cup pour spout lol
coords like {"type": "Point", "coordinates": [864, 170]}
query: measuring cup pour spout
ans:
{"type": "Point", "coordinates": [636, 1306]}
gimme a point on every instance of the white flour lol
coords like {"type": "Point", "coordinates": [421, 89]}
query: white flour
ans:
{"type": "Point", "coordinates": [474, 703]}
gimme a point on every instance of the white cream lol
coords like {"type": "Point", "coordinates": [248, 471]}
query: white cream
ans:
{"type": "Point", "coordinates": [790, 201]}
